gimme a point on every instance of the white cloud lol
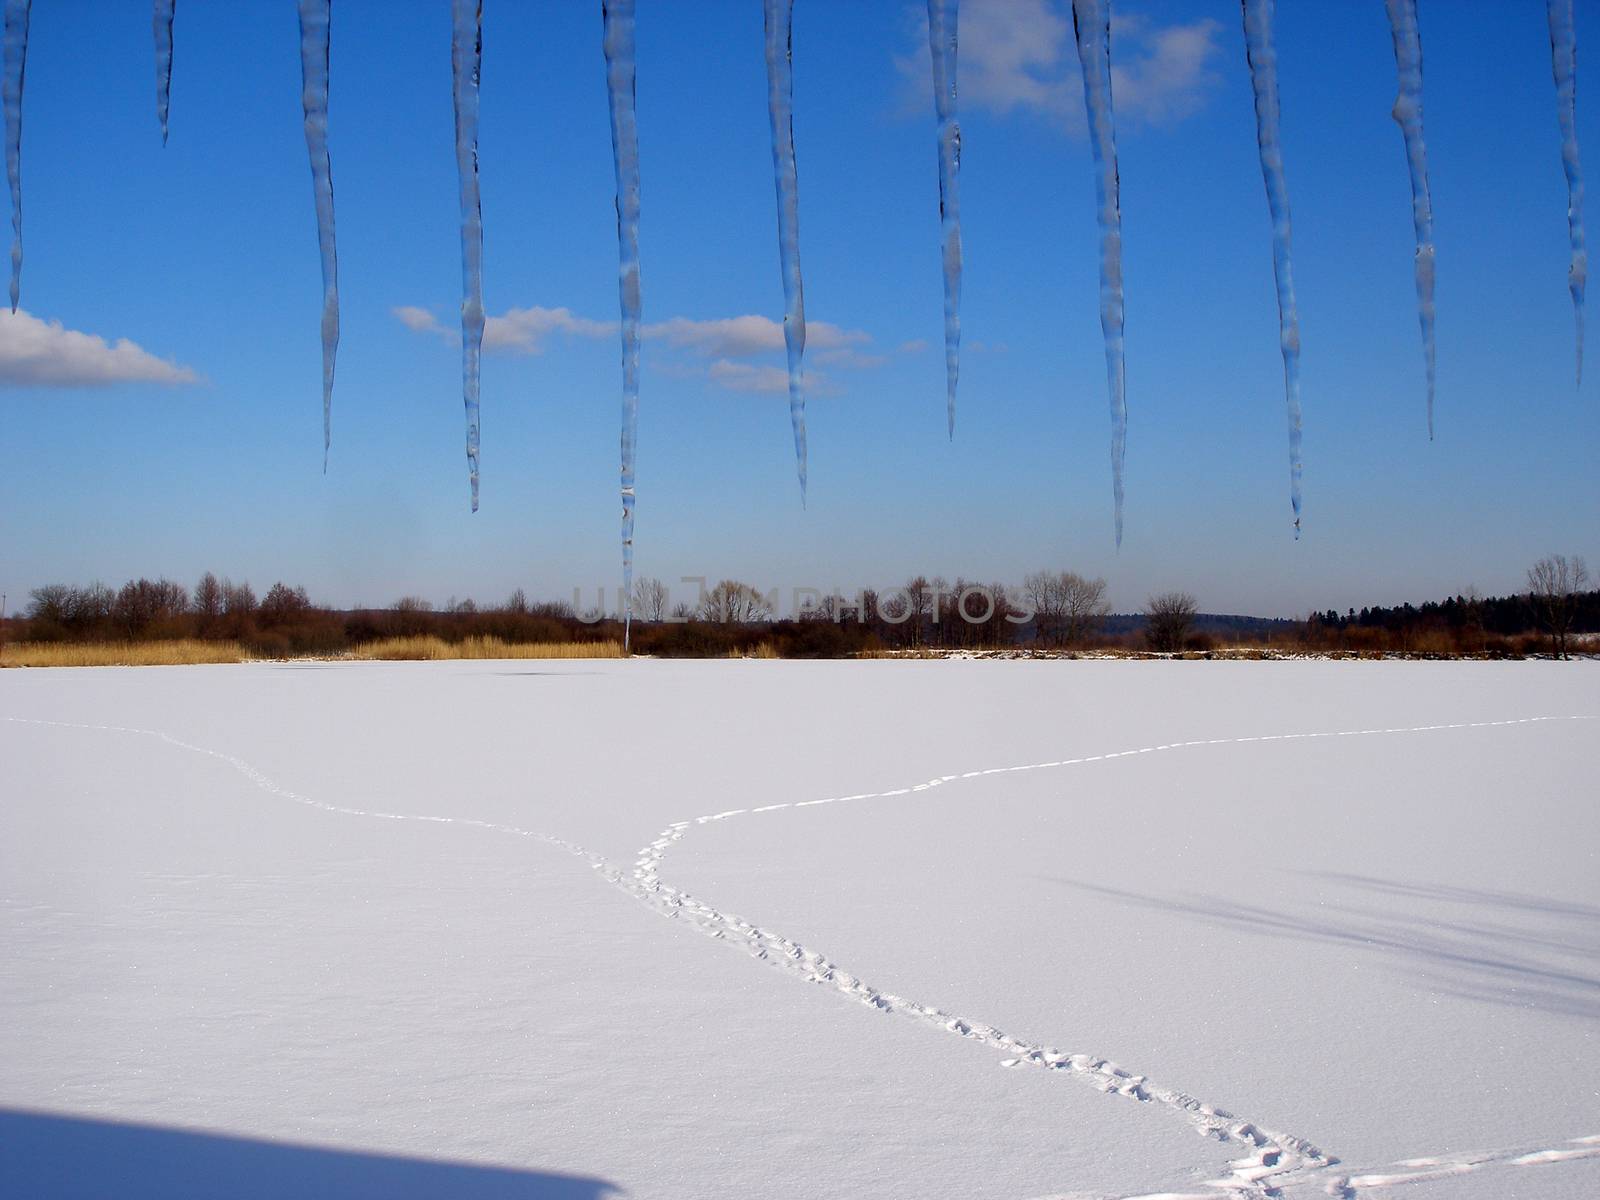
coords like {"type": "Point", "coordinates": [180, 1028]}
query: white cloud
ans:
{"type": "Point", "coordinates": [1020, 55]}
{"type": "Point", "coordinates": [765, 380]}
{"type": "Point", "coordinates": [525, 329]}
{"type": "Point", "coordinates": [419, 320]}
{"type": "Point", "coordinates": [723, 340]}
{"type": "Point", "coordinates": [520, 330]}
{"type": "Point", "coordinates": [914, 346]}
{"type": "Point", "coordinates": [35, 353]}
{"type": "Point", "coordinates": [747, 336]}
{"type": "Point", "coordinates": [747, 377]}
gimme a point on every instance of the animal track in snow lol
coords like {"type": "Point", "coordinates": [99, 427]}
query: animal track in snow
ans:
{"type": "Point", "coordinates": [1274, 1164]}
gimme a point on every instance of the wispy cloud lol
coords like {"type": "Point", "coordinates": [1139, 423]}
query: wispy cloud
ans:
{"type": "Point", "coordinates": [519, 330]}
{"type": "Point", "coordinates": [1019, 56]}
{"type": "Point", "coordinates": [35, 353]}
{"type": "Point", "coordinates": [750, 335]}
{"type": "Point", "coordinates": [748, 377]}
{"type": "Point", "coordinates": [716, 347]}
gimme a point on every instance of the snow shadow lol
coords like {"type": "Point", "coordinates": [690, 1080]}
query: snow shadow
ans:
{"type": "Point", "coordinates": [1495, 947]}
{"type": "Point", "coordinates": [48, 1157]}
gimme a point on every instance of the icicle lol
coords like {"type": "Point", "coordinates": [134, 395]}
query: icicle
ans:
{"type": "Point", "coordinates": [16, 63]}
{"type": "Point", "coordinates": [618, 17]}
{"type": "Point", "coordinates": [162, 21]}
{"type": "Point", "coordinates": [1408, 112]}
{"type": "Point", "coordinates": [1091, 25]}
{"type": "Point", "coordinates": [314, 20]}
{"type": "Point", "coordinates": [942, 20]}
{"type": "Point", "coordinates": [1564, 62]}
{"type": "Point", "coordinates": [466, 57]}
{"type": "Point", "coordinates": [780, 111]}
{"type": "Point", "coordinates": [1263, 60]}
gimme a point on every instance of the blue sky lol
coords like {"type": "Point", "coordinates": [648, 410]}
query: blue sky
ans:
{"type": "Point", "coordinates": [204, 256]}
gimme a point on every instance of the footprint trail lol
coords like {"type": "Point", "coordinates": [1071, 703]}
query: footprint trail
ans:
{"type": "Point", "coordinates": [1272, 1164]}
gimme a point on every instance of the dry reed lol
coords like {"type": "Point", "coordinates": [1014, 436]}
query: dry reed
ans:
{"type": "Point", "coordinates": [427, 648]}
{"type": "Point", "coordinates": [178, 652]}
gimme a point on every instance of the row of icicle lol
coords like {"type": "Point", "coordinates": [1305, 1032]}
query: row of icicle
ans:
{"type": "Point", "coordinates": [1092, 26]}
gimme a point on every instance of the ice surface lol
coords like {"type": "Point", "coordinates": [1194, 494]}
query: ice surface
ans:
{"type": "Point", "coordinates": [780, 113]}
{"type": "Point", "coordinates": [161, 22]}
{"type": "Point", "coordinates": [466, 60]}
{"type": "Point", "coordinates": [619, 36]}
{"type": "Point", "coordinates": [1091, 25]}
{"type": "Point", "coordinates": [1564, 62]}
{"type": "Point", "coordinates": [943, 19]}
{"type": "Point", "coordinates": [1408, 113]}
{"type": "Point", "coordinates": [1258, 16]}
{"type": "Point", "coordinates": [16, 64]}
{"type": "Point", "coordinates": [262, 919]}
{"type": "Point", "coordinates": [314, 27]}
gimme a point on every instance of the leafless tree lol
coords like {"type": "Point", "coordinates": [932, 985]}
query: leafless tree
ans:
{"type": "Point", "coordinates": [1067, 607]}
{"type": "Point", "coordinates": [1169, 616]}
{"type": "Point", "coordinates": [141, 604]}
{"type": "Point", "coordinates": [734, 603]}
{"type": "Point", "coordinates": [1083, 606]}
{"type": "Point", "coordinates": [208, 602]}
{"type": "Point", "coordinates": [1553, 585]}
{"type": "Point", "coordinates": [238, 600]}
{"type": "Point", "coordinates": [650, 599]}
{"type": "Point", "coordinates": [517, 602]}
{"type": "Point", "coordinates": [283, 605]}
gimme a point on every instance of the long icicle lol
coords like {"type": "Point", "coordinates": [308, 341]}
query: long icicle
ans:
{"type": "Point", "coordinates": [780, 111]}
{"type": "Point", "coordinates": [161, 22]}
{"type": "Point", "coordinates": [943, 16]}
{"type": "Point", "coordinates": [1564, 62]}
{"type": "Point", "coordinates": [314, 21]}
{"type": "Point", "coordinates": [1408, 113]}
{"type": "Point", "coordinates": [1263, 59]}
{"type": "Point", "coordinates": [618, 43]}
{"type": "Point", "coordinates": [1091, 26]}
{"type": "Point", "coordinates": [466, 60]}
{"type": "Point", "coordinates": [16, 64]}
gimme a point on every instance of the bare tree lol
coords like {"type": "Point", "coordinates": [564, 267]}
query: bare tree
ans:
{"type": "Point", "coordinates": [208, 602]}
{"type": "Point", "coordinates": [141, 604]}
{"type": "Point", "coordinates": [517, 603]}
{"type": "Point", "coordinates": [238, 600]}
{"type": "Point", "coordinates": [1168, 618]}
{"type": "Point", "coordinates": [734, 603]}
{"type": "Point", "coordinates": [1067, 608]}
{"type": "Point", "coordinates": [283, 605]}
{"type": "Point", "coordinates": [1044, 599]}
{"type": "Point", "coordinates": [1553, 585]}
{"type": "Point", "coordinates": [1083, 606]}
{"type": "Point", "coordinates": [650, 599]}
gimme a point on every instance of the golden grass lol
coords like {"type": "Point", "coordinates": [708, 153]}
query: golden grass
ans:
{"type": "Point", "coordinates": [180, 652]}
{"type": "Point", "coordinates": [427, 647]}
{"type": "Point", "coordinates": [760, 650]}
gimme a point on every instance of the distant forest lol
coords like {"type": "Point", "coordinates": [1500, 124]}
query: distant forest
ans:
{"type": "Point", "coordinates": [1054, 611]}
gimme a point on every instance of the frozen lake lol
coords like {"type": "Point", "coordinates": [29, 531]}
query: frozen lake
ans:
{"type": "Point", "coordinates": [544, 929]}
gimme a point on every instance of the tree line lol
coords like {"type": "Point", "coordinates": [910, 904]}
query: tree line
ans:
{"type": "Point", "coordinates": [1055, 609]}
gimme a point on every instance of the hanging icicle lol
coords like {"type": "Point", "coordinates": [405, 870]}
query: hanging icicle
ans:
{"type": "Point", "coordinates": [466, 60]}
{"type": "Point", "coordinates": [780, 112]}
{"type": "Point", "coordinates": [1408, 113]}
{"type": "Point", "coordinates": [1564, 62]}
{"type": "Point", "coordinates": [618, 44]}
{"type": "Point", "coordinates": [1091, 26]}
{"type": "Point", "coordinates": [162, 22]}
{"type": "Point", "coordinates": [314, 22]}
{"type": "Point", "coordinates": [16, 64]}
{"type": "Point", "coordinates": [1263, 59]}
{"type": "Point", "coordinates": [943, 16]}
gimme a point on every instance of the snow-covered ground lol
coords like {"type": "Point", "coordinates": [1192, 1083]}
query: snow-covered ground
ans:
{"type": "Point", "coordinates": [402, 930]}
